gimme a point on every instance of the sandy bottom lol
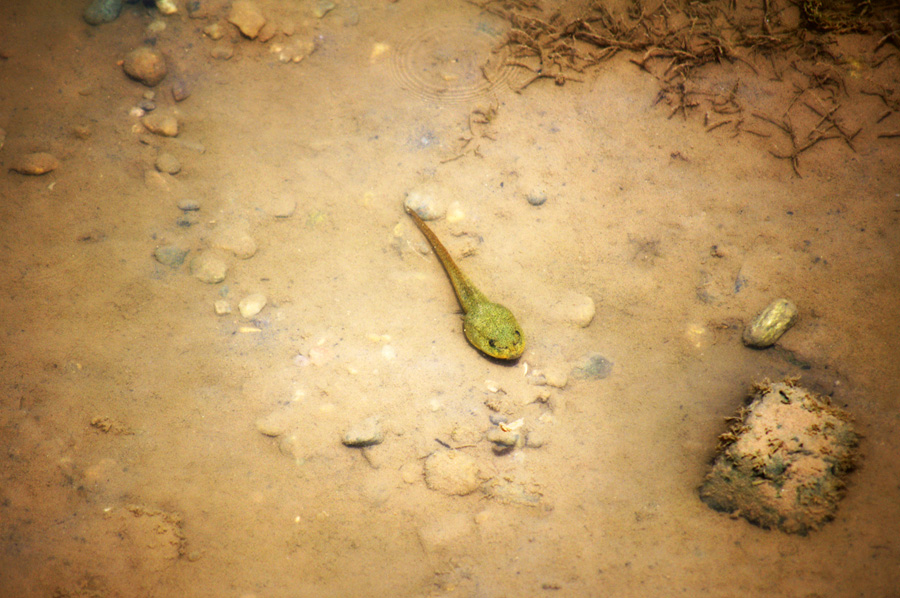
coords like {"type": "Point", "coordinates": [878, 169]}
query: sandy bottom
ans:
{"type": "Point", "coordinates": [131, 413]}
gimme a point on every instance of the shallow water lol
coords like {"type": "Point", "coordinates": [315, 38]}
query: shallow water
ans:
{"type": "Point", "coordinates": [132, 412]}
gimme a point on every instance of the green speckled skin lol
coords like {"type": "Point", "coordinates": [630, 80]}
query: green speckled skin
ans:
{"type": "Point", "coordinates": [490, 327]}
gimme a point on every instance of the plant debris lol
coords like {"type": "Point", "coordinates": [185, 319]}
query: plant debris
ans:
{"type": "Point", "coordinates": [793, 43]}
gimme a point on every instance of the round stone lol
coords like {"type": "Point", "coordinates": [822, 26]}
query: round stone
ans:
{"type": "Point", "coordinates": [167, 163]}
{"type": "Point", "coordinates": [145, 64]}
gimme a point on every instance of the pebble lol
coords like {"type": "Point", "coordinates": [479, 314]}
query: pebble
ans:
{"type": "Point", "coordinates": [268, 31]}
{"type": "Point", "coordinates": [452, 473]}
{"type": "Point", "coordinates": [147, 105]}
{"type": "Point", "coordinates": [593, 367]}
{"type": "Point", "coordinates": [2, 136]}
{"type": "Point", "coordinates": [188, 205]}
{"type": "Point", "coordinates": [246, 16]}
{"type": "Point", "coordinates": [235, 240]}
{"type": "Point", "coordinates": [145, 64]}
{"type": "Point", "coordinates": [768, 326]}
{"type": "Point", "coordinates": [180, 90]}
{"type": "Point", "coordinates": [425, 202]}
{"type": "Point", "coordinates": [296, 51]}
{"type": "Point", "coordinates": [368, 432]}
{"type": "Point", "coordinates": [208, 268]}
{"type": "Point", "coordinates": [35, 164]}
{"type": "Point", "coordinates": [214, 31]}
{"type": "Point", "coordinates": [170, 255]}
{"type": "Point", "coordinates": [102, 11]}
{"type": "Point", "coordinates": [251, 305]}
{"type": "Point", "coordinates": [161, 124]}
{"type": "Point", "coordinates": [166, 7]}
{"type": "Point", "coordinates": [322, 8]}
{"type": "Point", "coordinates": [222, 307]}
{"type": "Point", "coordinates": [276, 423]}
{"type": "Point", "coordinates": [166, 162]}
{"type": "Point", "coordinates": [503, 440]}
{"type": "Point", "coordinates": [536, 197]}
{"type": "Point", "coordinates": [279, 207]}
{"type": "Point", "coordinates": [222, 51]}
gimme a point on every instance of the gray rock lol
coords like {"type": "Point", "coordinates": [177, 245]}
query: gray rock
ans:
{"type": "Point", "coordinates": [170, 255]}
{"type": "Point", "coordinates": [102, 11]}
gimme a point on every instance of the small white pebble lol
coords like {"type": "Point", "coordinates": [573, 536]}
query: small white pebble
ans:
{"type": "Point", "coordinates": [252, 304]}
{"type": "Point", "coordinates": [223, 307]}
